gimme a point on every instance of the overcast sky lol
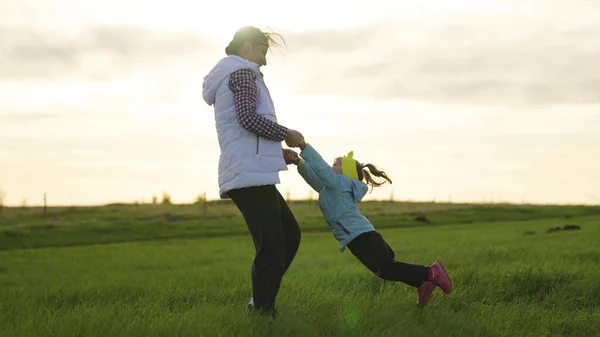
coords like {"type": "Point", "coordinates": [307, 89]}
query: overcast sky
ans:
{"type": "Point", "coordinates": [469, 100]}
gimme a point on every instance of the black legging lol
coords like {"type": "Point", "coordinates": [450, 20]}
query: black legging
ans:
{"type": "Point", "coordinates": [372, 250]}
{"type": "Point", "coordinates": [276, 237]}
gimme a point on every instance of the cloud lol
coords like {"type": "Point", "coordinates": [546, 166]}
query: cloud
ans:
{"type": "Point", "coordinates": [451, 62]}
{"type": "Point", "coordinates": [492, 59]}
{"type": "Point", "coordinates": [98, 52]}
{"type": "Point", "coordinates": [26, 118]}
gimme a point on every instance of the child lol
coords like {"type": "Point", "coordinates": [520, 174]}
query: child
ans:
{"type": "Point", "coordinates": [340, 186]}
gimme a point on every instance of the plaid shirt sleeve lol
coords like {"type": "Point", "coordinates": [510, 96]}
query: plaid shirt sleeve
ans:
{"type": "Point", "coordinates": [243, 85]}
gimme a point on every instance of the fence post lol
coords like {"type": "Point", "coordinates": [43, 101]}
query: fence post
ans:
{"type": "Point", "coordinates": [2, 195]}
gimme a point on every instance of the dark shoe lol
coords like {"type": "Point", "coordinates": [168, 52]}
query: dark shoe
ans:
{"type": "Point", "coordinates": [268, 311]}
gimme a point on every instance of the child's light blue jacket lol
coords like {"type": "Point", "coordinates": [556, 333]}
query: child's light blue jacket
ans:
{"type": "Point", "coordinates": [338, 196]}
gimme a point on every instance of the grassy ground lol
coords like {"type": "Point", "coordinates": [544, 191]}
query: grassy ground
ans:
{"type": "Point", "coordinates": [73, 226]}
{"type": "Point", "coordinates": [511, 277]}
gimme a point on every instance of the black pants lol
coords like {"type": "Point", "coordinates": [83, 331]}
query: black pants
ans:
{"type": "Point", "coordinates": [276, 237]}
{"type": "Point", "coordinates": [372, 250]}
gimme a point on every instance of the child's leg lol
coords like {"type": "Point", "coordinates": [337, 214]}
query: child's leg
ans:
{"type": "Point", "coordinates": [372, 250]}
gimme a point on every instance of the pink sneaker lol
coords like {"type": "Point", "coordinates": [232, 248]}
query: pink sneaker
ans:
{"type": "Point", "coordinates": [440, 277]}
{"type": "Point", "coordinates": [424, 292]}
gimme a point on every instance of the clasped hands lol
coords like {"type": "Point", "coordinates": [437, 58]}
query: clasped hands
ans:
{"type": "Point", "coordinates": [293, 139]}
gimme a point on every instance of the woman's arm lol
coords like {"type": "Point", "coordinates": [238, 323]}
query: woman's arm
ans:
{"type": "Point", "coordinates": [245, 92]}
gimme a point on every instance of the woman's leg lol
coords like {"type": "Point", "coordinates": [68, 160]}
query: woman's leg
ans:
{"type": "Point", "coordinates": [291, 231]}
{"type": "Point", "coordinates": [260, 207]}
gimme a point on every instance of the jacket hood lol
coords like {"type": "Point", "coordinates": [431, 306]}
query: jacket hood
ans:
{"type": "Point", "coordinates": [225, 67]}
{"type": "Point", "coordinates": [359, 189]}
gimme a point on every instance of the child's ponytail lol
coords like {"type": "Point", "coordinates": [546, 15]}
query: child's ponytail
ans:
{"type": "Point", "coordinates": [367, 171]}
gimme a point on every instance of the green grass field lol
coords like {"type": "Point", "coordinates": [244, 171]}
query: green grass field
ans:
{"type": "Point", "coordinates": [177, 270]}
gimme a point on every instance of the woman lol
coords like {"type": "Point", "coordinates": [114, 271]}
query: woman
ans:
{"type": "Point", "coordinates": [251, 158]}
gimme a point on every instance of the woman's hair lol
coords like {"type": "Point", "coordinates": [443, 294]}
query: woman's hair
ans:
{"type": "Point", "coordinates": [366, 172]}
{"type": "Point", "coordinates": [252, 35]}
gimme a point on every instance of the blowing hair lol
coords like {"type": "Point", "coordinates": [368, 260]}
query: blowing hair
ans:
{"type": "Point", "coordinates": [367, 172]}
{"type": "Point", "coordinates": [254, 36]}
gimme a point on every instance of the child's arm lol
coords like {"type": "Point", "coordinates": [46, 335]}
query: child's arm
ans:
{"type": "Point", "coordinates": [319, 166]}
{"type": "Point", "coordinates": [309, 175]}
{"type": "Point", "coordinates": [306, 172]}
